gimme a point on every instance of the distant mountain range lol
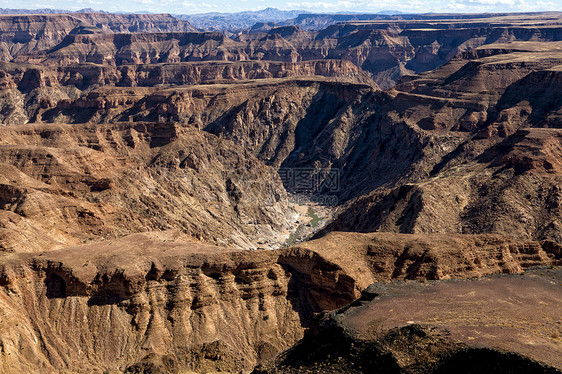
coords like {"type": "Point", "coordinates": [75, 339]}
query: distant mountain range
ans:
{"type": "Point", "coordinates": [241, 21]}
{"type": "Point", "coordinates": [385, 12]}
{"type": "Point", "coordinates": [244, 20]}
{"type": "Point", "coordinates": [238, 21]}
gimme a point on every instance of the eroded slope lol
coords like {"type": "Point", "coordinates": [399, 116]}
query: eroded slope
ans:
{"type": "Point", "coordinates": [504, 323]}
{"type": "Point", "coordinates": [168, 303]}
{"type": "Point", "coordinates": [66, 184]}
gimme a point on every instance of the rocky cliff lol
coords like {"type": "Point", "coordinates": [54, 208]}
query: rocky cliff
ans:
{"type": "Point", "coordinates": [165, 302]}
{"type": "Point", "coordinates": [502, 175]}
{"type": "Point", "coordinates": [28, 34]}
{"type": "Point", "coordinates": [486, 326]}
{"type": "Point", "coordinates": [387, 50]}
{"type": "Point", "coordinates": [65, 184]}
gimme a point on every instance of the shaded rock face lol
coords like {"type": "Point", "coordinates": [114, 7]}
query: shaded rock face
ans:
{"type": "Point", "coordinates": [466, 133]}
{"type": "Point", "coordinates": [167, 303]}
{"type": "Point", "coordinates": [66, 184]}
{"type": "Point", "coordinates": [512, 188]}
{"type": "Point", "coordinates": [490, 170]}
{"type": "Point", "coordinates": [335, 350]}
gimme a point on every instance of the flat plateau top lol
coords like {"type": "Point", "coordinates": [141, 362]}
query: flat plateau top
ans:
{"type": "Point", "coordinates": [518, 313]}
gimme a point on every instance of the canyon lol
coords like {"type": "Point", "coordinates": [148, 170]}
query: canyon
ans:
{"type": "Point", "coordinates": [168, 303]}
{"type": "Point", "coordinates": [388, 49]}
{"type": "Point", "coordinates": [163, 194]}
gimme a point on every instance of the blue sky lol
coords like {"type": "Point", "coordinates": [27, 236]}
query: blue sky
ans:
{"type": "Point", "coordinates": [203, 6]}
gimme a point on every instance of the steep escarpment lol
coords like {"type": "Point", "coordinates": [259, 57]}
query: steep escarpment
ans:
{"type": "Point", "coordinates": [111, 49]}
{"type": "Point", "coordinates": [65, 184]}
{"type": "Point", "coordinates": [484, 326]}
{"type": "Point", "coordinates": [387, 256]}
{"type": "Point", "coordinates": [387, 50]}
{"type": "Point", "coordinates": [511, 188]}
{"type": "Point", "coordinates": [30, 90]}
{"type": "Point", "coordinates": [541, 94]}
{"type": "Point", "coordinates": [384, 52]}
{"type": "Point", "coordinates": [276, 120]}
{"type": "Point", "coordinates": [500, 176]}
{"type": "Point", "coordinates": [317, 123]}
{"type": "Point", "coordinates": [134, 23]}
{"type": "Point", "coordinates": [168, 303]}
{"type": "Point", "coordinates": [144, 304]}
{"type": "Point", "coordinates": [29, 34]}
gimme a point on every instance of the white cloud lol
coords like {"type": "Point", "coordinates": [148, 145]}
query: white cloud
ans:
{"type": "Point", "coordinates": [328, 6]}
{"type": "Point", "coordinates": [496, 2]}
{"type": "Point", "coordinates": [340, 5]}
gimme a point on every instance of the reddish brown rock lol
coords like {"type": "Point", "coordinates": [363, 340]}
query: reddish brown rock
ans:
{"type": "Point", "coordinates": [84, 183]}
{"type": "Point", "coordinates": [168, 302]}
{"type": "Point", "coordinates": [503, 323]}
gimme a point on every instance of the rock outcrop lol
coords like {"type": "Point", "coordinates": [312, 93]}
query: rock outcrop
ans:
{"type": "Point", "coordinates": [484, 326]}
{"type": "Point", "coordinates": [387, 50]}
{"type": "Point", "coordinates": [166, 302]}
{"type": "Point", "coordinates": [65, 184]}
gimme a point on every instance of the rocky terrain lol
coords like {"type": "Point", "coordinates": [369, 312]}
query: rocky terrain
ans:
{"type": "Point", "coordinates": [387, 49]}
{"type": "Point", "coordinates": [159, 186]}
{"type": "Point", "coordinates": [164, 302]}
{"type": "Point", "coordinates": [454, 142]}
{"type": "Point", "coordinates": [488, 325]}
{"type": "Point", "coordinates": [95, 182]}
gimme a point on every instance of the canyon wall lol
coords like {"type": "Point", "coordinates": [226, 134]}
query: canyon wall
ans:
{"type": "Point", "coordinates": [466, 133]}
{"type": "Point", "coordinates": [66, 184]}
{"type": "Point", "coordinates": [387, 50]}
{"type": "Point", "coordinates": [167, 303]}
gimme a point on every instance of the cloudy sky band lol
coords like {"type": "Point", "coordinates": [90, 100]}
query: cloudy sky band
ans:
{"type": "Point", "coordinates": [193, 6]}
